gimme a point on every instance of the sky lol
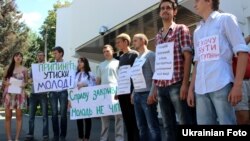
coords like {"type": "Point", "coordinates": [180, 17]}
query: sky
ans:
{"type": "Point", "coordinates": [35, 11]}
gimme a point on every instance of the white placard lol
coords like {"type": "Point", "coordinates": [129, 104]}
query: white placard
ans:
{"type": "Point", "coordinates": [95, 101]}
{"type": "Point", "coordinates": [137, 73]}
{"type": "Point", "coordinates": [208, 48]}
{"type": "Point", "coordinates": [54, 76]}
{"type": "Point", "coordinates": [164, 61]}
{"type": "Point", "coordinates": [124, 82]}
{"type": "Point", "coordinates": [15, 86]}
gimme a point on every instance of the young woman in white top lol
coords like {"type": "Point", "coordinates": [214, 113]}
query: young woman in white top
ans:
{"type": "Point", "coordinates": [84, 78]}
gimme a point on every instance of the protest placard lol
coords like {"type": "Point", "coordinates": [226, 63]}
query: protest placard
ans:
{"type": "Point", "coordinates": [124, 83]}
{"type": "Point", "coordinates": [95, 101]}
{"type": "Point", "coordinates": [54, 76]}
{"type": "Point", "coordinates": [164, 61]}
{"type": "Point", "coordinates": [208, 48]}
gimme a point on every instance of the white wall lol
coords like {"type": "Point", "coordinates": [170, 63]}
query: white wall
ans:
{"type": "Point", "coordinates": [64, 34]}
{"type": "Point", "coordinates": [81, 21]}
{"type": "Point", "coordinates": [89, 15]}
{"type": "Point", "coordinates": [241, 9]}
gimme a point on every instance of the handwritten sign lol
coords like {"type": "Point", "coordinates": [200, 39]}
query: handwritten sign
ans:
{"type": "Point", "coordinates": [95, 101]}
{"type": "Point", "coordinates": [15, 86]}
{"type": "Point", "coordinates": [53, 76]}
{"type": "Point", "coordinates": [164, 61]}
{"type": "Point", "coordinates": [208, 48]}
{"type": "Point", "coordinates": [124, 82]}
{"type": "Point", "coordinates": [137, 74]}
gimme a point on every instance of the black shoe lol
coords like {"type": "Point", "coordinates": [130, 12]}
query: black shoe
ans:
{"type": "Point", "coordinates": [29, 138]}
{"type": "Point", "coordinates": [62, 139]}
{"type": "Point", "coordinates": [45, 138]}
{"type": "Point", "coordinates": [55, 139]}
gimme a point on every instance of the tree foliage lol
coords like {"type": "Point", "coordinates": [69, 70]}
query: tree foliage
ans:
{"type": "Point", "coordinates": [33, 47]}
{"type": "Point", "coordinates": [13, 32]}
{"type": "Point", "coordinates": [16, 36]}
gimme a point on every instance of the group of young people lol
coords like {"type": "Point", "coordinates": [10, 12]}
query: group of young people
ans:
{"type": "Point", "coordinates": [212, 88]}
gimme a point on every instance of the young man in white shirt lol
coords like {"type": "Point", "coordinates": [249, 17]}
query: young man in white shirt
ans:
{"type": "Point", "coordinates": [216, 40]}
{"type": "Point", "coordinates": [107, 74]}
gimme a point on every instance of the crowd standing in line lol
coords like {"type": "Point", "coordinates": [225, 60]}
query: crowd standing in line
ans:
{"type": "Point", "coordinates": [218, 95]}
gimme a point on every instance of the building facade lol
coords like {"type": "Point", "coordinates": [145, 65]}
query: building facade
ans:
{"type": "Point", "coordinates": [78, 26]}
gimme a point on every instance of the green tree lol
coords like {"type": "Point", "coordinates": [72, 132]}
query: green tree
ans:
{"type": "Point", "coordinates": [49, 25]}
{"type": "Point", "coordinates": [32, 49]}
{"type": "Point", "coordinates": [13, 32]}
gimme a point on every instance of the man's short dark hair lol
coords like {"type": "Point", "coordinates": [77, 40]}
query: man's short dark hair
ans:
{"type": "Point", "coordinates": [59, 49]}
{"type": "Point", "coordinates": [173, 2]}
{"type": "Point", "coordinates": [40, 52]}
{"type": "Point", "coordinates": [215, 5]}
{"type": "Point", "coordinates": [108, 46]}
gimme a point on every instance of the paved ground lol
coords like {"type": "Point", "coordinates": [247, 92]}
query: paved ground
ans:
{"type": "Point", "coordinates": [72, 129]}
{"type": "Point", "coordinates": [71, 134]}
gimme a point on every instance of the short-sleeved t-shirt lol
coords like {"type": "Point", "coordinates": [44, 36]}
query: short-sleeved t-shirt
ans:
{"type": "Point", "coordinates": [128, 58]}
{"type": "Point", "coordinates": [107, 71]}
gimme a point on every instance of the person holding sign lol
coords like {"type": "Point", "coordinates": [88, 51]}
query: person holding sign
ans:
{"type": "Point", "coordinates": [216, 39]}
{"type": "Point", "coordinates": [34, 100]}
{"type": "Point", "coordinates": [172, 69]}
{"type": "Point", "coordinates": [14, 73]}
{"type": "Point", "coordinates": [141, 73]}
{"type": "Point", "coordinates": [84, 78]}
{"type": "Point", "coordinates": [62, 97]}
{"type": "Point", "coordinates": [126, 60]}
{"type": "Point", "coordinates": [107, 74]}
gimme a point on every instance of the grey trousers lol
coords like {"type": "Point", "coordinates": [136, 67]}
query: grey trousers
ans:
{"type": "Point", "coordinates": [119, 128]}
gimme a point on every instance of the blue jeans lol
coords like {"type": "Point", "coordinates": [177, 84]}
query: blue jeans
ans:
{"type": "Point", "coordinates": [34, 100]}
{"type": "Point", "coordinates": [174, 111]}
{"type": "Point", "coordinates": [62, 97]}
{"type": "Point", "coordinates": [146, 118]}
{"type": "Point", "coordinates": [214, 108]}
